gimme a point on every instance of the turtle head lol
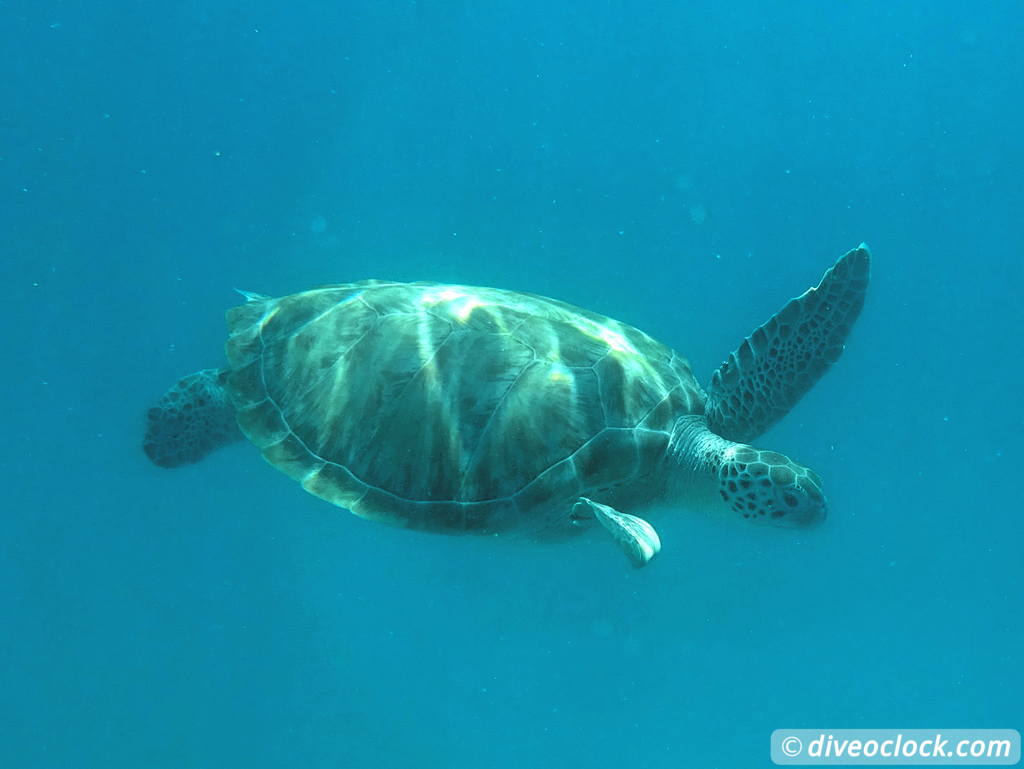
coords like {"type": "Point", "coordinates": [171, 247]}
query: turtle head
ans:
{"type": "Point", "coordinates": [766, 487]}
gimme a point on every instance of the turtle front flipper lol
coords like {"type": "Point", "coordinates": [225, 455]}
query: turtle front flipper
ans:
{"type": "Point", "coordinates": [637, 538]}
{"type": "Point", "coordinates": [191, 419]}
{"type": "Point", "coordinates": [773, 367]}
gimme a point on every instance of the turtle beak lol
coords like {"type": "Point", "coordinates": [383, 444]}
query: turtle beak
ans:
{"type": "Point", "coordinates": [800, 505]}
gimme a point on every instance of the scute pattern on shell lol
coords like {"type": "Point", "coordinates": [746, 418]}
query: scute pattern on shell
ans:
{"type": "Point", "coordinates": [451, 407]}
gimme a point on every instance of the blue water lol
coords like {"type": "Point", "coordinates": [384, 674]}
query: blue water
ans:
{"type": "Point", "coordinates": [685, 167]}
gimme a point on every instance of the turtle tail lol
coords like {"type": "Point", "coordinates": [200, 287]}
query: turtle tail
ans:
{"type": "Point", "coordinates": [192, 419]}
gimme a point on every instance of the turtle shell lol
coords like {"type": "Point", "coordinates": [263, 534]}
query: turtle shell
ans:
{"type": "Point", "coordinates": [452, 408]}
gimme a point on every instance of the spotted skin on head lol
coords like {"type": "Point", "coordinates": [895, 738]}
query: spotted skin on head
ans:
{"type": "Point", "coordinates": [766, 487]}
{"type": "Point", "coordinates": [192, 419]}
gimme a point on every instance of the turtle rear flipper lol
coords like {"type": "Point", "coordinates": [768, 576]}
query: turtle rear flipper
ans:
{"type": "Point", "coordinates": [191, 419]}
{"type": "Point", "coordinates": [772, 369]}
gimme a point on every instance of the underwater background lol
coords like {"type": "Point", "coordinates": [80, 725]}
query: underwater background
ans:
{"type": "Point", "coordinates": [684, 167]}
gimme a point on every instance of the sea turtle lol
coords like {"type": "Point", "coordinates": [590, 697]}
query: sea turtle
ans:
{"type": "Point", "coordinates": [459, 409]}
